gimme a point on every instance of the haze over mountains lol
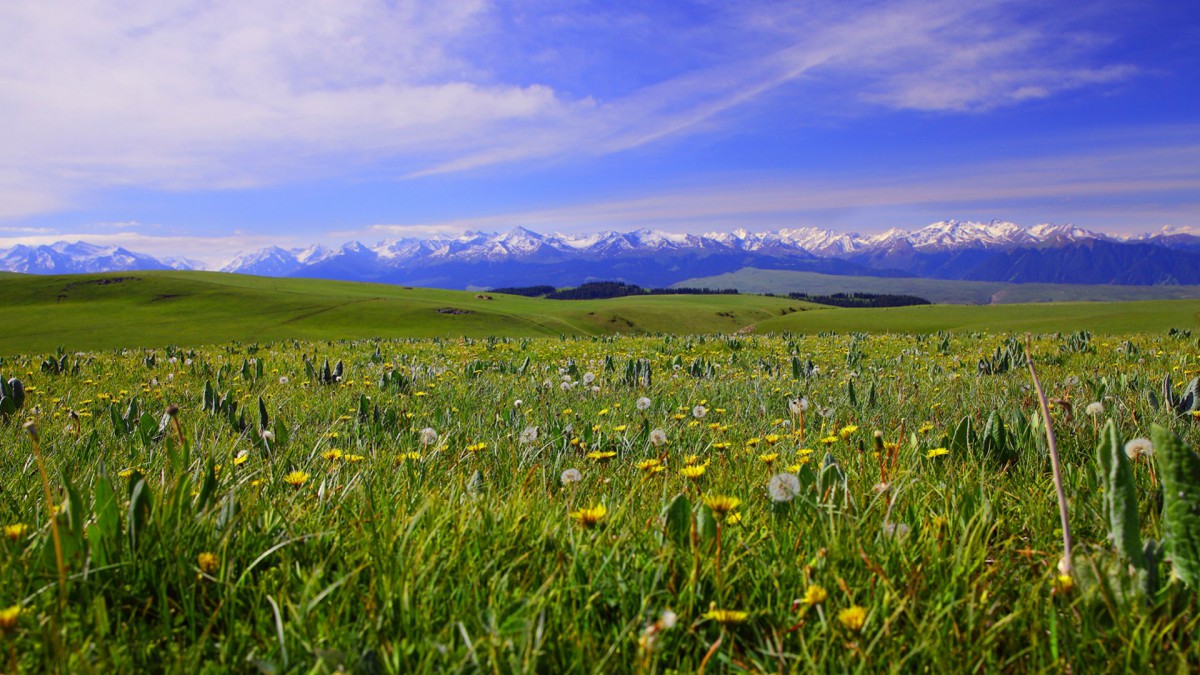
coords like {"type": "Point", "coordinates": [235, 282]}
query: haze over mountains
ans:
{"type": "Point", "coordinates": [995, 251]}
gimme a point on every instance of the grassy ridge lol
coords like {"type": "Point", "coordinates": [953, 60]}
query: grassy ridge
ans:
{"type": "Point", "coordinates": [750, 280]}
{"type": "Point", "coordinates": [107, 311]}
{"type": "Point", "coordinates": [154, 308]}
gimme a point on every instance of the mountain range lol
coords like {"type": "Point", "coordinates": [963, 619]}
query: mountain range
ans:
{"type": "Point", "coordinates": [957, 250]}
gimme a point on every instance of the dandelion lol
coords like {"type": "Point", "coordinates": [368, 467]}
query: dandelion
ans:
{"type": "Point", "coordinates": [783, 487]}
{"type": "Point", "coordinates": [15, 531]}
{"type": "Point", "coordinates": [1062, 583]}
{"type": "Point", "coordinates": [1139, 447]}
{"type": "Point", "coordinates": [353, 459]}
{"type": "Point", "coordinates": [411, 456]}
{"type": "Point", "coordinates": [699, 412]}
{"type": "Point", "coordinates": [643, 403]}
{"type": "Point", "coordinates": [332, 454]}
{"type": "Point", "coordinates": [208, 562]}
{"type": "Point", "coordinates": [726, 616]}
{"type": "Point", "coordinates": [658, 438]}
{"type": "Point", "coordinates": [529, 435]}
{"type": "Point", "coordinates": [589, 378]}
{"type": "Point", "coordinates": [925, 428]}
{"type": "Point", "coordinates": [853, 617]}
{"type": "Point", "coordinates": [296, 478]}
{"type": "Point", "coordinates": [283, 380]}
{"type": "Point", "coordinates": [570, 476]}
{"type": "Point", "coordinates": [690, 460]}
{"type": "Point", "coordinates": [601, 455]}
{"type": "Point", "coordinates": [1095, 409]}
{"type": "Point", "coordinates": [829, 440]}
{"type": "Point", "coordinates": [694, 471]}
{"type": "Point", "coordinates": [721, 504]}
{"type": "Point", "coordinates": [815, 595]}
{"type": "Point", "coordinates": [650, 466]}
{"type": "Point", "coordinates": [797, 405]}
{"type": "Point", "coordinates": [771, 439]}
{"type": "Point", "coordinates": [518, 403]}
{"type": "Point", "coordinates": [242, 458]}
{"type": "Point", "coordinates": [936, 452]}
{"type": "Point", "coordinates": [590, 518]}
{"type": "Point", "coordinates": [8, 618]}
{"type": "Point", "coordinates": [847, 431]}
{"type": "Point", "coordinates": [429, 436]}
{"type": "Point", "coordinates": [768, 458]}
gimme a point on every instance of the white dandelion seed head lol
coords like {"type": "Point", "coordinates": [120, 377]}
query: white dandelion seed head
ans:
{"type": "Point", "coordinates": [589, 377]}
{"type": "Point", "coordinates": [529, 435]}
{"type": "Point", "coordinates": [571, 476]}
{"type": "Point", "coordinates": [517, 403]}
{"type": "Point", "coordinates": [565, 386]}
{"type": "Point", "coordinates": [283, 380]}
{"type": "Point", "coordinates": [569, 429]}
{"type": "Point", "coordinates": [1139, 447]}
{"type": "Point", "coordinates": [699, 412]}
{"type": "Point", "coordinates": [268, 435]}
{"type": "Point", "coordinates": [896, 530]}
{"type": "Point", "coordinates": [1095, 408]}
{"type": "Point", "coordinates": [595, 389]}
{"type": "Point", "coordinates": [643, 403]}
{"type": "Point", "coordinates": [783, 487]}
{"type": "Point", "coordinates": [667, 620]}
{"type": "Point", "coordinates": [658, 437]}
{"type": "Point", "coordinates": [429, 436]}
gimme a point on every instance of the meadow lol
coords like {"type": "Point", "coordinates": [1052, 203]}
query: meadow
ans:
{"type": "Point", "coordinates": [661, 503]}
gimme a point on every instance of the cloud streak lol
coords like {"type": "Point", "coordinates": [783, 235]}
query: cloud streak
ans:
{"type": "Point", "coordinates": [184, 95]}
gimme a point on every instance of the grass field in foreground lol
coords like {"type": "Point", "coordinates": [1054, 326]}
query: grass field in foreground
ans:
{"type": "Point", "coordinates": [116, 310]}
{"type": "Point", "coordinates": [782, 282]}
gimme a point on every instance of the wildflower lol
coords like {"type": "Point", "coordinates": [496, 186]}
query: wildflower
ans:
{"type": "Point", "coordinates": [936, 452]}
{"type": "Point", "coordinates": [815, 595]}
{"type": "Point", "coordinates": [694, 471]}
{"type": "Point", "coordinates": [518, 403]}
{"type": "Point", "coordinates": [332, 454]}
{"type": "Point", "coordinates": [797, 405]}
{"type": "Point", "coordinates": [1063, 583]}
{"type": "Point", "coordinates": [769, 458]}
{"type": "Point", "coordinates": [721, 504]}
{"type": "Point", "coordinates": [726, 616]}
{"type": "Point", "coordinates": [296, 478]}
{"type": "Point", "coordinates": [783, 487]}
{"type": "Point", "coordinates": [529, 435]}
{"type": "Point", "coordinates": [643, 403]}
{"type": "Point", "coordinates": [1139, 447]}
{"type": "Point", "coordinates": [429, 436]}
{"type": "Point", "coordinates": [15, 531]}
{"type": "Point", "coordinates": [771, 439]}
{"type": "Point", "coordinates": [601, 455]}
{"type": "Point", "coordinates": [658, 437]}
{"type": "Point", "coordinates": [925, 428]}
{"type": "Point", "coordinates": [847, 431]}
{"type": "Point", "coordinates": [476, 447]}
{"type": "Point", "coordinates": [570, 476]}
{"type": "Point", "coordinates": [829, 440]}
{"type": "Point", "coordinates": [283, 380]}
{"type": "Point", "coordinates": [620, 427]}
{"type": "Point", "coordinates": [410, 456]}
{"type": "Point", "coordinates": [699, 412]}
{"type": "Point", "coordinates": [1095, 408]}
{"type": "Point", "coordinates": [353, 459]}
{"type": "Point", "coordinates": [853, 617]}
{"type": "Point", "coordinates": [590, 518]}
{"type": "Point", "coordinates": [650, 466]}
{"type": "Point", "coordinates": [242, 458]}
{"type": "Point", "coordinates": [589, 378]}
{"type": "Point", "coordinates": [208, 562]}
{"type": "Point", "coordinates": [8, 618]}
{"type": "Point", "coordinates": [690, 460]}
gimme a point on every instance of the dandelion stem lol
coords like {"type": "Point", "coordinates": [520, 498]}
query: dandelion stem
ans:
{"type": "Point", "coordinates": [1065, 564]}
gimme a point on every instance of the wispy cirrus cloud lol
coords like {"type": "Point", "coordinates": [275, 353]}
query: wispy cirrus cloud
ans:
{"type": "Point", "coordinates": [188, 95]}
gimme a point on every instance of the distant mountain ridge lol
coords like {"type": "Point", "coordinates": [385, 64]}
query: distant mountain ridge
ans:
{"type": "Point", "coordinates": [964, 250]}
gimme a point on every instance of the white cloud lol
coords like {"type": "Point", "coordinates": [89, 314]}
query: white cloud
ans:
{"type": "Point", "coordinates": [184, 94]}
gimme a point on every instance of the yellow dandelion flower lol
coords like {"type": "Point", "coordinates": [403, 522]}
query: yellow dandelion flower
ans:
{"type": "Point", "coordinates": [409, 456]}
{"type": "Point", "coordinates": [694, 471]}
{"type": "Point", "coordinates": [815, 595]}
{"type": "Point", "coordinates": [925, 428]}
{"type": "Point", "coordinates": [332, 454]}
{"type": "Point", "coordinates": [937, 452]}
{"type": "Point", "coordinates": [354, 459]}
{"type": "Point", "coordinates": [753, 441]}
{"type": "Point", "coordinates": [15, 531]}
{"type": "Point", "coordinates": [650, 466]}
{"type": "Point", "coordinates": [296, 478]}
{"type": "Point", "coordinates": [620, 427]}
{"type": "Point", "coordinates": [771, 439]}
{"type": "Point", "coordinates": [601, 455]}
{"type": "Point", "coordinates": [829, 440]}
{"type": "Point", "coordinates": [853, 617]}
{"type": "Point", "coordinates": [847, 431]}
{"type": "Point", "coordinates": [769, 458]}
{"type": "Point", "coordinates": [722, 446]}
{"type": "Point", "coordinates": [208, 562]}
{"type": "Point", "coordinates": [726, 616]}
{"type": "Point", "coordinates": [240, 460]}
{"type": "Point", "coordinates": [590, 518]}
{"type": "Point", "coordinates": [8, 617]}
{"type": "Point", "coordinates": [721, 504]}
{"type": "Point", "coordinates": [1063, 583]}
{"type": "Point", "coordinates": [690, 460]}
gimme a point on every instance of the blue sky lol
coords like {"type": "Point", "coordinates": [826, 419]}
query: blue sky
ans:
{"type": "Point", "coordinates": [205, 127]}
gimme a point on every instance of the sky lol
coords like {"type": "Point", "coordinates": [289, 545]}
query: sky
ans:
{"type": "Point", "coordinates": [202, 128]}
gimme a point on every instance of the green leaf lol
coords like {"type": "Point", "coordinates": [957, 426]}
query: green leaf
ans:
{"type": "Point", "coordinates": [679, 521]}
{"type": "Point", "coordinates": [1180, 473]}
{"type": "Point", "coordinates": [1120, 497]}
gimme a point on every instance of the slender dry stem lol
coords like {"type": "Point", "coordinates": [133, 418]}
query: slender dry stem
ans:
{"type": "Point", "coordinates": [1064, 565]}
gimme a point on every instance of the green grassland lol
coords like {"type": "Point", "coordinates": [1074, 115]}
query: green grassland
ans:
{"type": "Point", "coordinates": [119, 310]}
{"type": "Point", "coordinates": [782, 282]}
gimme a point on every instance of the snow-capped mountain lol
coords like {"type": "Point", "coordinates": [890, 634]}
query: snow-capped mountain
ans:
{"type": "Point", "coordinates": [81, 257]}
{"type": "Point", "coordinates": [950, 249]}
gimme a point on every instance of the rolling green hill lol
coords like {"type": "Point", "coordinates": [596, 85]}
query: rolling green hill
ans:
{"type": "Point", "coordinates": [782, 282]}
{"type": "Point", "coordinates": [101, 311]}
{"type": "Point", "coordinates": [107, 311]}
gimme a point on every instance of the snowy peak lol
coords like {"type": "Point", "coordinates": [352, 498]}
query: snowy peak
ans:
{"type": "Point", "coordinates": [80, 257]}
